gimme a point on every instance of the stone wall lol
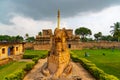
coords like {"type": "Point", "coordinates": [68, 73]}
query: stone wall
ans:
{"type": "Point", "coordinates": [93, 45]}
{"type": "Point", "coordinates": [77, 46]}
{"type": "Point", "coordinates": [4, 61]}
{"type": "Point", "coordinates": [42, 46]}
{"type": "Point", "coordinates": [28, 45]}
{"type": "Point", "coordinates": [10, 58]}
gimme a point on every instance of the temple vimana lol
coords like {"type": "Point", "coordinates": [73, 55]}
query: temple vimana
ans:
{"type": "Point", "coordinates": [45, 40]}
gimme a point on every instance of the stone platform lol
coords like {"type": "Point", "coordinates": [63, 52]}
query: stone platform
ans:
{"type": "Point", "coordinates": [78, 73]}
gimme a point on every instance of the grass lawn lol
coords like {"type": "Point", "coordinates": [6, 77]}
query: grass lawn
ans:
{"type": "Point", "coordinates": [10, 68]}
{"type": "Point", "coordinates": [14, 66]}
{"type": "Point", "coordinates": [109, 62]}
{"type": "Point", "coordinates": [36, 52]}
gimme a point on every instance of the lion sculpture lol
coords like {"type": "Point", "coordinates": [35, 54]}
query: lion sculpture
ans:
{"type": "Point", "coordinates": [58, 60]}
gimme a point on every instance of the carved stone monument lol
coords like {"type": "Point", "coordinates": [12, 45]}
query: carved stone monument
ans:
{"type": "Point", "coordinates": [58, 60]}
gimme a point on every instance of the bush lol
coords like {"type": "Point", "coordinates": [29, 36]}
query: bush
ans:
{"type": "Point", "coordinates": [43, 56]}
{"type": "Point", "coordinates": [107, 77]}
{"type": "Point", "coordinates": [95, 71]}
{"type": "Point", "coordinates": [30, 56]}
{"type": "Point", "coordinates": [26, 56]}
{"type": "Point", "coordinates": [74, 57]}
{"type": "Point", "coordinates": [29, 66]}
{"type": "Point", "coordinates": [18, 75]}
{"type": "Point", "coordinates": [35, 59]}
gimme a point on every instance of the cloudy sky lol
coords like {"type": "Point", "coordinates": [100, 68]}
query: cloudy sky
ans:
{"type": "Point", "coordinates": [18, 17]}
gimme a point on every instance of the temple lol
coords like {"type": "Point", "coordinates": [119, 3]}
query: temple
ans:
{"type": "Point", "coordinates": [44, 41]}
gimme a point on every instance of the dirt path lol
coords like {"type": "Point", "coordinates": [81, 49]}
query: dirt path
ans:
{"type": "Point", "coordinates": [78, 70]}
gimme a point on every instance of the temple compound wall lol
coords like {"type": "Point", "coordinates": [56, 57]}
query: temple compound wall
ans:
{"type": "Point", "coordinates": [83, 45]}
{"type": "Point", "coordinates": [43, 42]}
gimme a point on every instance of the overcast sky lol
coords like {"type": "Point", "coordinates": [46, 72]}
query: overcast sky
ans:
{"type": "Point", "coordinates": [18, 17]}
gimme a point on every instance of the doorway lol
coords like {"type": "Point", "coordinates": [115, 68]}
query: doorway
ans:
{"type": "Point", "coordinates": [11, 50]}
{"type": "Point", "coordinates": [69, 45]}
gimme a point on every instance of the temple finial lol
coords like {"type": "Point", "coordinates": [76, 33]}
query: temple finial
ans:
{"type": "Point", "coordinates": [58, 24]}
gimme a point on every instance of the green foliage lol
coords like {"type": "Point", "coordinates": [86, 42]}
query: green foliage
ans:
{"type": "Point", "coordinates": [29, 54]}
{"type": "Point", "coordinates": [29, 66]}
{"type": "Point", "coordinates": [95, 71]}
{"type": "Point", "coordinates": [109, 62]}
{"type": "Point", "coordinates": [98, 35]}
{"type": "Point", "coordinates": [20, 72]}
{"type": "Point", "coordinates": [108, 38]}
{"type": "Point", "coordinates": [18, 75]}
{"type": "Point", "coordinates": [26, 35]}
{"type": "Point", "coordinates": [35, 59]}
{"type": "Point", "coordinates": [107, 77]}
{"type": "Point", "coordinates": [116, 30]}
{"type": "Point", "coordinates": [10, 69]}
{"type": "Point", "coordinates": [40, 33]}
{"type": "Point", "coordinates": [43, 56]}
{"type": "Point", "coordinates": [19, 38]}
{"type": "Point", "coordinates": [74, 57]}
{"type": "Point", "coordinates": [83, 32]}
{"type": "Point", "coordinates": [30, 39]}
{"type": "Point", "coordinates": [7, 38]}
{"type": "Point", "coordinates": [89, 39]}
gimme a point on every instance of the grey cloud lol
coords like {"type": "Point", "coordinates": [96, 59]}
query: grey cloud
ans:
{"type": "Point", "coordinates": [47, 9]}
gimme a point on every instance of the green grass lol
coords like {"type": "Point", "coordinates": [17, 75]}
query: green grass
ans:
{"type": "Point", "coordinates": [10, 68]}
{"type": "Point", "coordinates": [110, 62]}
{"type": "Point", "coordinates": [36, 52]}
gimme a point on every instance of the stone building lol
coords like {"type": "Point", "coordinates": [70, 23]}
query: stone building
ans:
{"type": "Point", "coordinates": [8, 50]}
{"type": "Point", "coordinates": [44, 41]}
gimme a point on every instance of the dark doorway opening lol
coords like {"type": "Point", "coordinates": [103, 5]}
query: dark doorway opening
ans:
{"type": "Point", "coordinates": [69, 45]}
{"type": "Point", "coordinates": [11, 50]}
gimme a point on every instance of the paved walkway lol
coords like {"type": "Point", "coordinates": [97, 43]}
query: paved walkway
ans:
{"type": "Point", "coordinates": [78, 70]}
{"type": "Point", "coordinates": [25, 60]}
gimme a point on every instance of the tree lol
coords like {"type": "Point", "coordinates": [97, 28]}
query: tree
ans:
{"type": "Point", "coordinates": [98, 36]}
{"type": "Point", "coordinates": [83, 32]}
{"type": "Point", "coordinates": [26, 35]}
{"type": "Point", "coordinates": [107, 38]}
{"type": "Point", "coordinates": [7, 38]}
{"type": "Point", "coordinates": [13, 39]}
{"type": "Point", "coordinates": [40, 33]}
{"type": "Point", "coordinates": [30, 39]}
{"type": "Point", "coordinates": [116, 30]}
{"type": "Point", "coordinates": [19, 38]}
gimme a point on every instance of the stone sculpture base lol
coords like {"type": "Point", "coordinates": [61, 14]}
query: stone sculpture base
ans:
{"type": "Point", "coordinates": [57, 66]}
{"type": "Point", "coordinates": [55, 75]}
{"type": "Point", "coordinates": [72, 75]}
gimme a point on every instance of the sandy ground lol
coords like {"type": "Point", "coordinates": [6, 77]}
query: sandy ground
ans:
{"type": "Point", "coordinates": [78, 71]}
